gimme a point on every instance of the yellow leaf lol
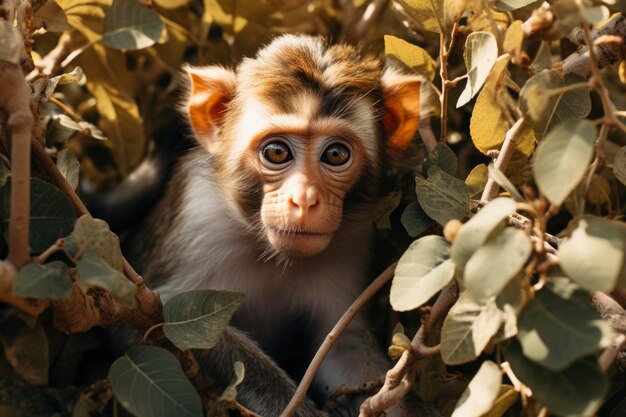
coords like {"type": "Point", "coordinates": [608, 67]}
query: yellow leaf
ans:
{"type": "Point", "coordinates": [410, 55]}
{"type": "Point", "coordinates": [427, 14]}
{"type": "Point", "coordinates": [489, 123]}
{"type": "Point", "coordinates": [506, 398]}
{"type": "Point", "coordinates": [476, 180]}
{"type": "Point", "coordinates": [599, 190]}
{"type": "Point", "coordinates": [513, 39]}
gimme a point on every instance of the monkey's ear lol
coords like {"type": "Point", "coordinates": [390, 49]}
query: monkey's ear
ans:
{"type": "Point", "coordinates": [211, 90]}
{"type": "Point", "coordinates": [403, 106]}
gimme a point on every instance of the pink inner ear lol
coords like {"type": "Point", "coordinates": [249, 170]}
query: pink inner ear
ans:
{"type": "Point", "coordinates": [211, 90]}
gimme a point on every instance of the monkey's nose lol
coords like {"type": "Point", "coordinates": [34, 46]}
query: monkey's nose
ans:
{"type": "Point", "coordinates": [303, 200]}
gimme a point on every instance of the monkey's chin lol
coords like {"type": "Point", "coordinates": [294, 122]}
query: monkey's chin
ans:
{"type": "Point", "coordinates": [298, 244]}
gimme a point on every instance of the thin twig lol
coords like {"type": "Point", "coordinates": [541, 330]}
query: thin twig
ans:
{"type": "Point", "coordinates": [55, 247]}
{"type": "Point", "coordinates": [330, 339]}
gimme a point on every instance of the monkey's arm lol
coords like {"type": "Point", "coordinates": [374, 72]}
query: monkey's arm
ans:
{"type": "Point", "coordinates": [266, 389]}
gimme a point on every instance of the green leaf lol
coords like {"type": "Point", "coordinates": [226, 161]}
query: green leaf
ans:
{"type": "Point", "coordinates": [510, 301]}
{"type": "Point", "coordinates": [415, 220]}
{"type": "Point", "coordinates": [130, 25]}
{"type": "Point", "coordinates": [481, 52]}
{"type": "Point", "coordinates": [481, 392]}
{"type": "Point", "coordinates": [422, 271]}
{"type": "Point", "coordinates": [496, 262]}
{"type": "Point", "coordinates": [414, 57]}
{"type": "Point", "coordinates": [149, 382]}
{"type": "Point", "coordinates": [26, 349]}
{"type": "Point", "coordinates": [50, 281]}
{"type": "Point", "coordinates": [467, 329]}
{"type": "Point", "coordinates": [93, 270]}
{"type": "Point", "coordinates": [619, 165]}
{"type": "Point", "coordinates": [195, 319]}
{"type": "Point", "coordinates": [51, 214]}
{"type": "Point", "coordinates": [500, 178]}
{"type": "Point", "coordinates": [562, 158]}
{"type": "Point", "coordinates": [442, 196]}
{"type": "Point", "coordinates": [478, 229]}
{"type": "Point", "coordinates": [593, 254]}
{"type": "Point", "coordinates": [94, 235]}
{"type": "Point", "coordinates": [559, 326]}
{"type": "Point", "coordinates": [510, 5]}
{"type": "Point", "coordinates": [443, 157]}
{"type": "Point", "coordinates": [576, 391]}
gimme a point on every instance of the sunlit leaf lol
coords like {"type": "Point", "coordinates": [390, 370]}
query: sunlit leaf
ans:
{"type": "Point", "coordinates": [501, 179]}
{"type": "Point", "coordinates": [426, 13]}
{"type": "Point", "coordinates": [422, 271]}
{"type": "Point", "coordinates": [195, 319]}
{"type": "Point", "coordinates": [562, 158]}
{"type": "Point", "coordinates": [130, 25]}
{"type": "Point", "coordinates": [50, 281]}
{"type": "Point", "coordinates": [559, 326]}
{"type": "Point", "coordinates": [467, 329]}
{"type": "Point", "coordinates": [576, 391]}
{"type": "Point", "coordinates": [69, 167]}
{"type": "Point", "coordinates": [496, 262]}
{"type": "Point", "coordinates": [594, 253]}
{"type": "Point", "coordinates": [442, 196]}
{"type": "Point", "coordinates": [513, 39]}
{"type": "Point", "coordinates": [410, 55]}
{"type": "Point", "coordinates": [478, 229]}
{"type": "Point", "coordinates": [481, 393]}
{"type": "Point", "coordinates": [510, 5]}
{"type": "Point", "coordinates": [149, 382]}
{"type": "Point", "coordinates": [476, 180]}
{"type": "Point", "coordinates": [480, 53]}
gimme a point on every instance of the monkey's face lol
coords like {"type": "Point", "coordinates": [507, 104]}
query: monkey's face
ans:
{"type": "Point", "coordinates": [305, 180]}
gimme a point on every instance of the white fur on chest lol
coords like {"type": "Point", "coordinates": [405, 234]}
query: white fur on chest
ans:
{"type": "Point", "coordinates": [218, 252]}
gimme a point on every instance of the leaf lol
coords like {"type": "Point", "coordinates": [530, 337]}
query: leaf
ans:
{"type": "Point", "coordinates": [559, 326]}
{"type": "Point", "coordinates": [26, 349]}
{"type": "Point", "coordinates": [69, 167]}
{"type": "Point", "coordinates": [74, 76]}
{"type": "Point", "coordinates": [481, 392]}
{"type": "Point", "coordinates": [510, 5]}
{"type": "Point", "coordinates": [476, 180]}
{"type": "Point", "coordinates": [619, 165]}
{"type": "Point", "coordinates": [501, 179]}
{"type": "Point", "coordinates": [593, 254]}
{"type": "Point", "coordinates": [467, 329]}
{"type": "Point", "coordinates": [478, 229]}
{"type": "Point", "coordinates": [51, 214]}
{"type": "Point", "coordinates": [489, 123]}
{"type": "Point", "coordinates": [546, 108]}
{"type": "Point", "coordinates": [599, 191]}
{"type": "Point", "coordinates": [93, 270]}
{"type": "Point", "coordinates": [496, 262]}
{"type": "Point", "coordinates": [443, 157]}
{"type": "Point", "coordinates": [543, 58]}
{"type": "Point", "coordinates": [415, 220]}
{"type": "Point", "coordinates": [576, 391]}
{"type": "Point", "coordinates": [422, 271]}
{"type": "Point", "coordinates": [510, 301]}
{"type": "Point", "coordinates": [149, 382]}
{"type": "Point", "coordinates": [426, 14]}
{"type": "Point", "coordinates": [414, 57]}
{"type": "Point", "coordinates": [513, 40]}
{"type": "Point", "coordinates": [129, 25]}
{"type": "Point", "coordinates": [562, 158]}
{"type": "Point", "coordinates": [506, 398]}
{"type": "Point", "coordinates": [385, 208]}
{"type": "Point", "coordinates": [51, 17]}
{"type": "Point", "coordinates": [94, 235]}
{"type": "Point", "coordinates": [195, 319]}
{"type": "Point", "coordinates": [50, 281]}
{"type": "Point", "coordinates": [442, 196]}
{"type": "Point", "coordinates": [480, 54]}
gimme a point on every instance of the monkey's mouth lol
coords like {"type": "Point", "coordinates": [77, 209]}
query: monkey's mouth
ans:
{"type": "Point", "coordinates": [298, 242]}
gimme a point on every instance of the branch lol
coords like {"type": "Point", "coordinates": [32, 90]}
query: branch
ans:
{"type": "Point", "coordinates": [16, 103]}
{"type": "Point", "coordinates": [330, 339]}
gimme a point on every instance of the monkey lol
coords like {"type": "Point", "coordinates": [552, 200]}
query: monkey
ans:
{"type": "Point", "coordinates": [276, 202]}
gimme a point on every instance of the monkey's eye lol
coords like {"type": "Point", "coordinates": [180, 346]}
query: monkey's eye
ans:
{"type": "Point", "coordinates": [336, 154]}
{"type": "Point", "coordinates": [277, 153]}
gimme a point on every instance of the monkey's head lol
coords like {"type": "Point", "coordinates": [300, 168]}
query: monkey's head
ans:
{"type": "Point", "coordinates": [299, 136]}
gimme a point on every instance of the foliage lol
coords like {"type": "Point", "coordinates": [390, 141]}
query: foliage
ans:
{"type": "Point", "coordinates": [536, 116]}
